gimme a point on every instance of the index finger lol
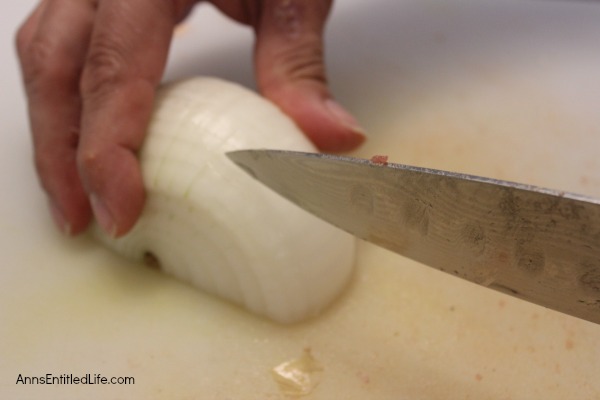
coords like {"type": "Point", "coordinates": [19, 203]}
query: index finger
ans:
{"type": "Point", "coordinates": [125, 62]}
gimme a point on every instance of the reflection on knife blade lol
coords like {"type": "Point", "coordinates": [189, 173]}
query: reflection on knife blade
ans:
{"type": "Point", "coordinates": [537, 244]}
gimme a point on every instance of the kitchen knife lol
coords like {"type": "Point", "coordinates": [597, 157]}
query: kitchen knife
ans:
{"type": "Point", "coordinates": [537, 244]}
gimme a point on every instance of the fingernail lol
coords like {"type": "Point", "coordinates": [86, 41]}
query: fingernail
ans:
{"type": "Point", "coordinates": [59, 218]}
{"type": "Point", "coordinates": [344, 117]}
{"type": "Point", "coordinates": [103, 215]}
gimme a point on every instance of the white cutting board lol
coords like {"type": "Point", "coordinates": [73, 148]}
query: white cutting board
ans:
{"type": "Point", "coordinates": [504, 89]}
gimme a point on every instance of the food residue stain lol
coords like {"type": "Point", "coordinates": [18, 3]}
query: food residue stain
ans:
{"type": "Point", "coordinates": [363, 377]}
{"type": "Point", "coordinates": [570, 339]}
{"type": "Point", "coordinates": [299, 376]}
{"type": "Point", "coordinates": [569, 344]}
{"type": "Point", "coordinates": [379, 160]}
{"type": "Point", "coordinates": [557, 368]}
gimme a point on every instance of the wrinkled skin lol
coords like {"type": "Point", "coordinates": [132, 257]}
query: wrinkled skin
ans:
{"type": "Point", "coordinates": [90, 71]}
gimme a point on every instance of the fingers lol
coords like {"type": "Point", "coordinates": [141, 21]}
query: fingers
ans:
{"type": "Point", "coordinates": [291, 72]}
{"type": "Point", "coordinates": [125, 62]}
{"type": "Point", "coordinates": [91, 68]}
{"type": "Point", "coordinates": [86, 135]}
{"type": "Point", "coordinates": [51, 47]}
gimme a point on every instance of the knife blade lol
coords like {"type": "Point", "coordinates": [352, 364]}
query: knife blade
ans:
{"type": "Point", "coordinates": [537, 244]}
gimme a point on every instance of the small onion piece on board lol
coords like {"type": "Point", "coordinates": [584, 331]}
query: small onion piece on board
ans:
{"type": "Point", "coordinates": [207, 222]}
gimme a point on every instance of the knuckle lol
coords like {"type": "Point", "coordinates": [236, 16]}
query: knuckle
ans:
{"type": "Point", "coordinates": [24, 35]}
{"type": "Point", "coordinates": [22, 39]}
{"type": "Point", "coordinates": [35, 57]}
{"type": "Point", "coordinates": [104, 68]}
{"type": "Point", "coordinates": [42, 63]}
{"type": "Point", "coordinates": [304, 61]}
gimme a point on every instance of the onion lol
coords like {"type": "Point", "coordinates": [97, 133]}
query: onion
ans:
{"type": "Point", "coordinates": [206, 222]}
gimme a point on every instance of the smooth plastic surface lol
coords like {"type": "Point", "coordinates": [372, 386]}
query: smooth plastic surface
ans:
{"type": "Point", "coordinates": [506, 89]}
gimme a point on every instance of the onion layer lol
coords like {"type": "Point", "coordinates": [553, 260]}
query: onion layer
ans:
{"type": "Point", "coordinates": [207, 222]}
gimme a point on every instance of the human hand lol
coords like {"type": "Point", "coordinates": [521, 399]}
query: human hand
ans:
{"type": "Point", "coordinates": [90, 71]}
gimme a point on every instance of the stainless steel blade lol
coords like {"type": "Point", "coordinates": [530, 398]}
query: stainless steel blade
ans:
{"type": "Point", "coordinates": [537, 244]}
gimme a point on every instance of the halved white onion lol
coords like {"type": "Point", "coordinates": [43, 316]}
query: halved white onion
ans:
{"type": "Point", "coordinates": [208, 223]}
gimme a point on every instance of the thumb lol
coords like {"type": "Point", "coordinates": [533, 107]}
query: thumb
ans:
{"type": "Point", "coordinates": [291, 72]}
